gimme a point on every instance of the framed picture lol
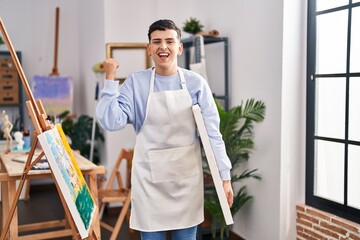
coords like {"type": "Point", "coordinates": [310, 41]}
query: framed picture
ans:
{"type": "Point", "coordinates": [130, 56]}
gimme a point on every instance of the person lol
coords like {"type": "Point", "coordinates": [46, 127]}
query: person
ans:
{"type": "Point", "coordinates": [166, 179]}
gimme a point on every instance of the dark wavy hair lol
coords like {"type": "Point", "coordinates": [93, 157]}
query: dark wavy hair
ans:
{"type": "Point", "coordinates": [163, 25]}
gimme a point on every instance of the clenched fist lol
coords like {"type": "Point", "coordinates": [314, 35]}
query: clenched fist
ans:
{"type": "Point", "coordinates": [228, 192]}
{"type": "Point", "coordinates": [110, 66]}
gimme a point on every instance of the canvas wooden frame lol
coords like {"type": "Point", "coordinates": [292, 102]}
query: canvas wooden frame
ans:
{"type": "Point", "coordinates": [130, 56]}
{"type": "Point", "coordinates": [212, 164]}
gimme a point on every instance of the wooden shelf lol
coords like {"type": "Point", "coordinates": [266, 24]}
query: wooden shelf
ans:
{"type": "Point", "coordinates": [189, 42]}
{"type": "Point", "coordinates": [11, 89]}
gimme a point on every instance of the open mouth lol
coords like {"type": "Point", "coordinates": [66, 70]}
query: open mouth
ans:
{"type": "Point", "coordinates": [163, 55]}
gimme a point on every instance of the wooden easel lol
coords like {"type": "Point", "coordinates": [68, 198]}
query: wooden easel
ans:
{"type": "Point", "coordinates": [41, 124]}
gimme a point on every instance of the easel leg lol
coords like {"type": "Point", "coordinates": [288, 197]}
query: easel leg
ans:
{"type": "Point", "coordinates": [121, 218]}
{"type": "Point", "coordinates": [27, 190]}
{"type": "Point", "coordinates": [68, 217]}
{"type": "Point", "coordinates": [5, 204]}
{"type": "Point", "coordinates": [94, 235]}
{"type": "Point", "coordinates": [94, 191]}
{"type": "Point", "coordinates": [7, 197]}
{"type": "Point", "coordinates": [13, 228]}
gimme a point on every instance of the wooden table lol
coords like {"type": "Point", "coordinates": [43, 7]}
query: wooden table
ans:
{"type": "Point", "coordinates": [11, 171]}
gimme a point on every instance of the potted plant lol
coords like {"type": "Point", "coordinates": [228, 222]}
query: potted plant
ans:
{"type": "Point", "coordinates": [192, 26]}
{"type": "Point", "coordinates": [236, 127]}
{"type": "Point", "coordinates": [79, 131]}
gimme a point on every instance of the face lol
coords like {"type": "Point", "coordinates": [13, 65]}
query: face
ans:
{"type": "Point", "coordinates": [164, 48]}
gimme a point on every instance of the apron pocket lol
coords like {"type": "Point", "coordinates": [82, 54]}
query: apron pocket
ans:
{"type": "Point", "coordinates": [173, 164]}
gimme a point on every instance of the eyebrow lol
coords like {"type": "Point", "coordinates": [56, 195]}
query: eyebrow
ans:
{"type": "Point", "coordinates": [156, 39]}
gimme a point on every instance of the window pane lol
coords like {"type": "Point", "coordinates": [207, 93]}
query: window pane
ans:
{"type": "Point", "coordinates": [331, 42]}
{"type": "Point", "coordinates": [329, 170]}
{"type": "Point", "coordinates": [354, 177]}
{"type": "Point", "coordinates": [355, 40]}
{"type": "Point", "coordinates": [326, 4]}
{"type": "Point", "coordinates": [354, 109]}
{"type": "Point", "coordinates": [330, 107]}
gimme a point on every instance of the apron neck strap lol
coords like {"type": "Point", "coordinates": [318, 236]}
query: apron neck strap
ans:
{"type": "Point", "coordinates": [182, 78]}
{"type": "Point", "coordinates": [152, 80]}
{"type": "Point", "coordinates": [181, 75]}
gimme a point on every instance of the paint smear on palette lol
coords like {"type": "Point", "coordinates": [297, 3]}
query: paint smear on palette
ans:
{"type": "Point", "coordinates": [69, 177]}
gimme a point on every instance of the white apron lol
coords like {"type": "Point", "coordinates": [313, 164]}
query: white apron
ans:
{"type": "Point", "coordinates": [167, 181]}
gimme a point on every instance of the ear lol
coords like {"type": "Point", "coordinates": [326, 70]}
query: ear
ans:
{"type": "Point", "coordinates": [181, 47]}
{"type": "Point", "coordinates": [148, 49]}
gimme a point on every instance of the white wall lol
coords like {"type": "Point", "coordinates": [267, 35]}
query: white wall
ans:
{"type": "Point", "coordinates": [267, 52]}
{"type": "Point", "coordinates": [255, 33]}
{"type": "Point", "coordinates": [293, 116]}
{"type": "Point", "coordinates": [31, 28]}
{"type": "Point", "coordinates": [91, 50]}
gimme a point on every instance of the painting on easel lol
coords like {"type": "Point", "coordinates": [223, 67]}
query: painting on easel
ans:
{"type": "Point", "coordinates": [69, 178]}
{"type": "Point", "coordinates": [55, 92]}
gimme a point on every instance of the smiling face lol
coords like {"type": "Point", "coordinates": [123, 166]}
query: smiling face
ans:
{"type": "Point", "coordinates": [164, 48]}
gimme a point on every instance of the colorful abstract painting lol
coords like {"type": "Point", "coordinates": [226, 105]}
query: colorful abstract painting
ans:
{"type": "Point", "coordinates": [69, 178]}
{"type": "Point", "coordinates": [55, 92]}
